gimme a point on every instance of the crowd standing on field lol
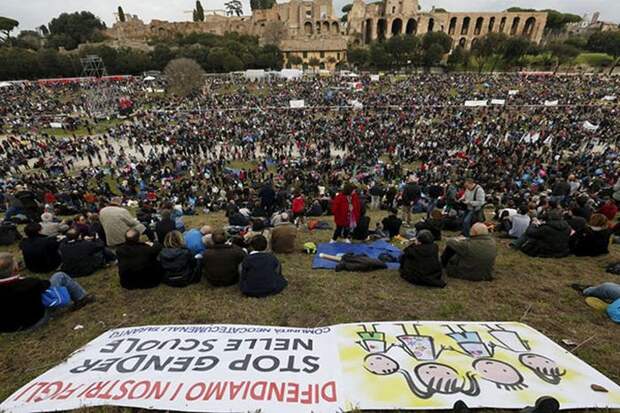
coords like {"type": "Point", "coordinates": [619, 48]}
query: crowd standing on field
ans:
{"type": "Point", "coordinates": [544, 175]}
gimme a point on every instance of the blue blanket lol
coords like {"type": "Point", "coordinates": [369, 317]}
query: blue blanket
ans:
{"type": "Point", "coordinates": [373, 250]}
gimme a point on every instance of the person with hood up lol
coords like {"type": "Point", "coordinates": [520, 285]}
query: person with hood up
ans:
{"type": "Point", "coordinates": [549, 239]}
{"type": "Point", "coordinates": [420, 263]}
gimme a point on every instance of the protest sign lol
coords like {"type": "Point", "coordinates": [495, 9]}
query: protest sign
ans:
{"type": "Point", "coordinates": [386, 365]}
{"type": "Point", "coordinates": [512, 92]}
{"type": "Point", "coordinates": [56, 125]}
{"type": "Point", "coordinates": [498, 101]}
{"type": "Point", "coordinates": [374, 78]}
{"type": "Point", "coordinates": [609, 98]}
{"type": "Point", "coordinates": [590, 126]}
{"type": "Point", "coordinates": [297, 103]}
{"type": "Point", "coordinates": [551, 102]}
{"type": "Point", "coordinates": [474, 103]}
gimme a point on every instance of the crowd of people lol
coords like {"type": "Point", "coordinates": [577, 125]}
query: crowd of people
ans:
{"type": "Point", "coordinates": [548, 174]}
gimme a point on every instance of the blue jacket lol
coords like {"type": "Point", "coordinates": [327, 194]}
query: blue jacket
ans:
{"type": "Point", "coordinates": [193, 241]}
{"type": "Point", "coordinates": [261, 275]}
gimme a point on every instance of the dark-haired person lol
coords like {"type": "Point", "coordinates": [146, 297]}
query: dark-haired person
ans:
{"type": "Point", "coordinates": [434, 224]}
{"type": "Point", "coordinates": [164, 225]}
{"type": "Point", "coordinates": [20, 297]}
{"type": "Point", "coordinates": [181, 267]}
{"type": "Point", "coordinates": [420, 263]}
{"type": "Point", "coordinates": [346, 209]}
{"type": "Point", "coordinates": [81, 257]}
{"type": "Point", "coordinates": [391, 224]}
{"type": "Point", "coordinates": [592, 240]}
{"type": "Point", "coordinates": [260, 274]}
{"type": "Point", "coordinates": [549, 239]}
{"type": "Point", "coordinates": [40, 252]}
{"type": "Point", "coordinates": [220, 262]}
{"type": "Point", "coordinates": [138, 267]}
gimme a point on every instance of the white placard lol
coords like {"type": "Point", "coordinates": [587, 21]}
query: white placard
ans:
{"type": "Point", "coordinates": [297, 103]}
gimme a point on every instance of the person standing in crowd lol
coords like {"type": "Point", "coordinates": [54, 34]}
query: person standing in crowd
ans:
{"type": "Point", "coordinates": [21, 305]}
{"type": "Point", "coordinates": [474, 200]}
{"type": "Point", "coordinates": [298, 207]}
{"type": "Point", "coordinates": [411, 194]}
{"type": "Point", "coordinates": [116, 221]}
{"type": "Point", "coordinates": [346, 209]}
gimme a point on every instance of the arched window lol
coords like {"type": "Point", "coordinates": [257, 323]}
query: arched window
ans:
{"type": "Point", "coordinates": [478, 28]}
{"type": "Point", "coordinates": [515, 26]}
{"type": "Point", "coordinates": [491, 24]}
{"type": "Point", "coordinates": [308, 28]}
{"type": "Point", "coordinates": [381, 29]}
{"type": "Point", "coordinates": [452, 27]}
{"type": "Point", "coordinates": [465, 26]}
{"type": "Point", "coordinates": [335, 28]}
{"type": "Point", "coordinates": [412, 26]}
{"type": "Point", "coordinates": [368, 33]}
{"type": "Point", "coordinates": [463, 42]}
{"type": "Point", "coordinates": [502, 25]}
{"type": "Point", "coordinates": [326, 27]}
{"type": "Point", "coordinates": [528, 29]}
{"type": "Point", "coordinates": [431, 25]}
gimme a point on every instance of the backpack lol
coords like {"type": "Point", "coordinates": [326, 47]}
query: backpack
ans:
{"type": "Point", "coordinates": [55, 297]}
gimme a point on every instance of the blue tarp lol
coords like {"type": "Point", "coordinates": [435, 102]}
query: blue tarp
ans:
{"type": "Point", "coordinates": [373, 250]}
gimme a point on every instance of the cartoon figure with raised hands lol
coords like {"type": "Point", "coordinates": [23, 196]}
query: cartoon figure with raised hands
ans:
{"type": "Point", "coordinates": [420, 347]}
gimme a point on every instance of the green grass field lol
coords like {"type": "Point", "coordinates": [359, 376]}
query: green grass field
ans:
{"type": "Point", "coordinates": [534, 291]}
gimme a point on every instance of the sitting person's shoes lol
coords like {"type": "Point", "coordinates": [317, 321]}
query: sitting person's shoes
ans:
{"type": "Point", "coordinates": [544, 404]}
{"type": "Point", "coordinates": [88, 299]}
{"type": "Point", "coordinates": [460, 407]}
{"type": "Point", "coordinates": [579, 287]}
{"type": "Point", "coordinates": [597, 304]}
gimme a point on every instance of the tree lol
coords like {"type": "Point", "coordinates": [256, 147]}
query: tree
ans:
{"type": "Point", "coordinates": [433, 55]}
{"type": "Point", "coordinates": [184, 76]}
{"type": "Point", "coordinates": [606, 42]}
{"type": "Point", "coordinates": [379, 57]}
{"type": "Point", "coordinates": [262, 4]}
{"type": "Point", "coordinates": [199, 12]}
{"type": "Point", "coordinates": [160, 56]}
{"type": "Point", "coordinates": [563, 53]}
{"type": "Point", "coordinates": [489, 49]}
{"type": "Point", "coordinates": [7, 25]}
{"type": "Point", "coordinates": [515, 48]}
{"type": "Point", "coordinates": [440, 38]}
{"type": "Point", "coordinates": [269, 57]}
{"type": "Point", "coordinates": [314, 62]}
{"type": "Point", "coordinates": [234, 7]}
{"type": "Point", "coordinates": [402, 49]}
{"type": "Point", "coordinates": [358, 56]}
{"type": "Point", "coordinates": [71, 29]}
{"type": "Point", "coordinates": [294, 60]}
{"type": "Point", "coordinates": [458, 57]}
{"type": "Point", "coordinates": [121, 15]}
{"type": "Point", "coordinates": [29, 39]}
{"type": "Point", "coordinates": [345, 12]}
{"type": "Point", "coordinates": [557, 21]}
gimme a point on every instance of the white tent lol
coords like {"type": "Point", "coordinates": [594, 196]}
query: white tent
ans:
{"type": "Point", "coordinates": [254, 74]}
{"type": "Point", "coordinates": [149, 78]}
{"type": "Point", "coordinates": [289, 74]}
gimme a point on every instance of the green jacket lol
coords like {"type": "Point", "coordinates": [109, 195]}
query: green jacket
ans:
{"type": "Point", "coordinates": [474, 259]}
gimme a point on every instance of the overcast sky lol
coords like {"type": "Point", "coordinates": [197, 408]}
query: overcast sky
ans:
{"type": "Point", "coordinates": [33, 13]}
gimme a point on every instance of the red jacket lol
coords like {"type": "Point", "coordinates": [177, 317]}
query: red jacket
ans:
{"type": "Point", "coordinates": [299, 204]}
{"type": "Point", "coordinates": [340, 209]}
{"type": "Point", "coordinates": [609, 210]}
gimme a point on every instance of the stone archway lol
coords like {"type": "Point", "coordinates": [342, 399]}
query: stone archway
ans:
{"type": "Point", "coordinates": [452, 26]}
{"type": "Point", "coordinates": [412, 26]}
{"type": "Point", "coordinates": [478, 26]}
{"type": "Point", "coordinates": [528, 29]}
{"type": "Point", "coordinates": [465, 26]}
{"type": "Point", "coordinates": [381, 29]}
{"type": "Point", "coordinates": [368, 32]}
{"type": "Point", "coordinates": [431, 25]}
{"type": "Point", "coordinates": [397, 27]}
{"type": "Point", "coordinates": [326, 27]}
{"type": "Point", "coordinates": [463, 42]}
{"type": "Point", "coordinates": [491, 23]}
{"type": "Point", "coordinates": [335, 28]}
{"type": "Point", "coordinates": [308, 28]}
{"type": "Point", "coordinates": [515, 26]}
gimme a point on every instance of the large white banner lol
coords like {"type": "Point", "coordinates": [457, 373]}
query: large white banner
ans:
{"type": "Point", "coordinates": [386, 365]}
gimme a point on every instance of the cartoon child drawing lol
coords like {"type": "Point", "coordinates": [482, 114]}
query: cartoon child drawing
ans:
{"type": "Point", "coordinates": [421, 348]}
{"type": "Point", "coordinates": [428, 379]}
{"type": "Point", "coordinates": [504, 375]}
{"type": "Point", "coordinates": [470, 342]}
{"type": "Point", "coordinates": [545, 368]}
{"type": "Point", "coordinates": [372, 341]}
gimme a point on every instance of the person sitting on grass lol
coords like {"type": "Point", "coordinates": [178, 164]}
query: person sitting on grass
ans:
{"type": "Point", "coordinates": [40, 252]}
{"type": "Point", "coordinates": [602, 297]}
{"type": "Point", "coordinates": [221, 261]}
{"type": "Point", "coordinates": [20, 297]}
{"type": "Point", "coordinates": [520, 222]}
{"type": "Point", "coordinates": [361, 232]}
{"type": "Point", "coordinates": [50, 227]}
{"type": "Point", "coordinates": [138, 267]}
{"type": "Point", "coordinates": [434, 224]}
{"type": "Point", "coordinates": [82, 257]}
{"type": "Point", "coordinates": [259, 227]}
{"type": "Point", "coordinates": [593, 240]}
{"type": "Point", "coordinates": [284, 236]}
{"type": "Point", "coordinates": [471, 258]}
{"type": "Point", "coordinates": [194, 239]}
{"type": "Point", "coordinates": [260, 274]}
{"type": "Point", "coordinates": [392, 223]}
{"type": "Point", "coordinates": [164, 225]}
{"type": "Point", "coordinates": [181, 267]}
{"type": "Point", "coordinates": [420, 264]}
{"type": "Point", "coordinates": [549, 239]}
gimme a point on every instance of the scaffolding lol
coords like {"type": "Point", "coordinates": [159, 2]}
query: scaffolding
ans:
{"type": "Point", "coordinates": [93, 66]}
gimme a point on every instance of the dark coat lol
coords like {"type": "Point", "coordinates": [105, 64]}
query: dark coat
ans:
{"type": "Point", "coordinates": [8, 233]}
{"type": "Point", "coordinates": [474, 258]}
{"type": "Point", "coordinates": [433, 225]}
{"type": "Point", "coordinates": [40, 253]}
{"type": "Point", "coordinates": [549, 240]}
{"type": "Point", "coordinates": [163, 227]}
{"type": "Point", "coordinates": [420, 265]}
{"type": "Point", "coordinates": [178, 265]}
{"type": "Point", "coordinates": [221, 264]}
{"type": "Point", "coordinates": [20, 302]}
{"type": "Point", "coordinates": [590, 243]}
{"type": "Point", "coordinates": [138, 267]}
{"type": "Point", "coordinates": [360, 232]}
{"type": "Point", "coordinates": [81, 257]}
{"type": "Point", "coordinates": [261, 275]}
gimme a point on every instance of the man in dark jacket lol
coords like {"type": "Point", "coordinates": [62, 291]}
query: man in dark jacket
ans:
{"type": "Point", "coordinates": [40, 252]}
{"type": "Point", "coordinates": [267, 198]}
{"type": "Point", "coordinates": [165, 225]}
{"type": "Point", "coordinates": [548, 240]}
{"type": "Point", "coordinates": [261, 272]}
{"type": "Point", "coordinates": [392, 223]}
{"type": "Point", "coordinates": [221, 262]}
{"type": "Point", "coordinates": [138, 267]}
{"type": "Point", "coordinates": [82, 257]}
{"type": "Point", "coordinates": [20, 298]}
{"type": "Point", "coordinates": [8, 233]}
{"type": "Point", "coordinates": [420, 264]}
{"type": "Point", "coordinates": [410, 195]}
